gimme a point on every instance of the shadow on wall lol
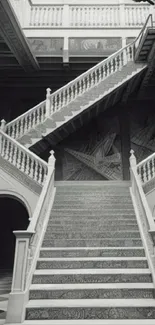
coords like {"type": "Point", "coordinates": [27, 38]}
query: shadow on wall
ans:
{"type": "Point", "coordinates": [13, 216]}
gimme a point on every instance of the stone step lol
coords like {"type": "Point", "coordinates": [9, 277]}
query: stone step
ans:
{"type": "Point", "coordinates": [92, 243]}
{"type": "Point", "coordinates": [92, 276]}
{"type": "Point", "coordinates": [89, 322]}
{"type": "Point", "coordinates": [91, 309]}
{"type": "Point", "coordinates": [92, 291]}
{"type": "Point", "coordinates": [88, 227]}
{"type": "Point", "coordinates": [92, 220]}
{"type": "Point", "coordinates": [87, 212]}
{"type": "Point", "coordinates": [84, 235]}
{"type": "Point", "coordinates": [92, 252]}
{"type": "Point", "coordinates": [92, 262]}
{"type": "Point", "coordinates": [121, 203]}
{"type": "Point", "coordinates": [90, 197]}
{"type": "Point", "coordinates": [87, 205]}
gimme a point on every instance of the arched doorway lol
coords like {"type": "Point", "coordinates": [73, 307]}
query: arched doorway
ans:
{"type": "Point", "coordinates": [13, 216]}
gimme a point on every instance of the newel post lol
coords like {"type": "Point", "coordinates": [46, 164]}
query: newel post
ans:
{"type": "Point", "coordinates": [133, 165]}
{"type": "Point", "coordinates": [48, 102]}
{"type": "Point", "coordinates": [3, 125]}
{"type": "Point", "coordinates": [51, 162]}
{"type": "Point", "coordinates": [3, 128]}
{"type": "Point", "coordinates": [19, 293]}
{"type": "Point", "coordinates": [133, 160]}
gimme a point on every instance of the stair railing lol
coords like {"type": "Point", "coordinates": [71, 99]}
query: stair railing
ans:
{"type": "Point", "coordinates": [27, 249]}
{"type": "Point", "coordinates": [143, 212]}
{"type": "Point", "coordinates": [146, 169]}
{"type": "Point", "coordinates": [71, 91]}
{"type": "Point", "coordinates": [22, 158]}
{"type": "Point", "coordinates": [148, 24]}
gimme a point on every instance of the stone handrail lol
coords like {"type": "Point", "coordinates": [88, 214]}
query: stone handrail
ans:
{"type": "Point", "coordinates": [144, 215]}
{"type": "Point", "coordinates": [148, 24]}
{"type": "Point", "coordinates": [22, 158]}
{"type": "Point", "coordinates": [28, 246]}
{"type": "Point", "coordinates": [99, 15]}
{"type": "Point", "coordinates": [146, 169]}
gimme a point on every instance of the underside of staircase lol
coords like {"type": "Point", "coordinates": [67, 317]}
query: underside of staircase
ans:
{"type": "Point", "coordinates": [92, 267]}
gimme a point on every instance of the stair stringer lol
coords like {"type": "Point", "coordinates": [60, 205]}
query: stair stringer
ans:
{"type": "Point", "coordinates": [16, 184]}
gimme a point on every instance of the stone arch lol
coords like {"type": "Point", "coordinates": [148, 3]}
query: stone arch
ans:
{"type": "Point", "coordinates": [19, 197]}
{"type": "Point", "coordinates": [15, 215]}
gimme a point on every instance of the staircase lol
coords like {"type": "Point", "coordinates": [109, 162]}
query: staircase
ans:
{"type": "Point", "coordinates": [82, 259]}
{"type": "Point", "coordinates": [68, 108]}
{"type": "Point", "coordinates": [92, 267]}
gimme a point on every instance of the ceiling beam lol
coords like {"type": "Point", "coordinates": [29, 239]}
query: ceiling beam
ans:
{"type": "Point", "coordinates": [13, 36]}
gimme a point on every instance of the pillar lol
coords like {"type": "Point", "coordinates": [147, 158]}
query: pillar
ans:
{"type": "Point", "coordinates": [124, 121]}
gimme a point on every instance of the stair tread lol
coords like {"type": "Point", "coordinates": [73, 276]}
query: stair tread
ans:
{"type": "Point", "coordinates": [91, 303]}
{"type": "Point", "coordinates": [92, 259]}
{"type": "Point", "coordinates": [88, 248]}
{"type": "Point", "coordinates": [83, 286]}
{"type": "Point", "coordinates": [89, 322]}
{"type": "Point", "coordinates": [91, 271]}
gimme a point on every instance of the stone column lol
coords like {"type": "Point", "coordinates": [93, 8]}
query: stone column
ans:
{"type": "Point", "coordinates": [124, 121]}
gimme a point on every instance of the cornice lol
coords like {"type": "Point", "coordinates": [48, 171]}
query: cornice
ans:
{"type": "Point", "coordinates": [14, 37]}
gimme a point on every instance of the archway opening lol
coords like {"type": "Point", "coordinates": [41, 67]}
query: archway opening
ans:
{"type": "Point", "coordinates": [13, 216]}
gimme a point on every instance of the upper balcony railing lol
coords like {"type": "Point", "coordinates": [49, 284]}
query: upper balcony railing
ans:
{"type": "Point", "coordinates": [110, 14]}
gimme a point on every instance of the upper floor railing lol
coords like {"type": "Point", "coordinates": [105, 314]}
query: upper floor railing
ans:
{"type": "Point", "coordinates": [69, 14]}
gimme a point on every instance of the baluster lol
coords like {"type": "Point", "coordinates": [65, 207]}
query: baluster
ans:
{"type": "Point", "coordinates": [10, 152]}
{"type": "Point", "coordinates": [109, 67]}
{"type": "Point", "coordinates": [3, 149]}
{"type": "Point", "coordinates": [95, 77]}
{"type": "Point", "coordinates": [15, 155]}
{"type": "Point", "coordinates": [76, 90]}
{"type": "Point", "coordinates": [67, 96]}
{"type": "Point", "coordinates": [37, 17]}
{"type": "Point", "coordinates": [31, 16]}
{"type": "Point", "coordinates": [35, 171]}
{"type": "Point", "coordinates": [153, 166]}
{"type": "Point", "coordinates": [31, 170]}
{"type": "Point", "coordinates": [27, 162]}
{"type": "Point", "coordinates": [85, 84]}
{"type": "Point", "coordinates": [151, 169]}
{"type": "Point", "coordinates": [7, 149]}
{"type": "Point", "coordinates": [71, 93]}
{"type": "Point", "coordinates": [90, 80]}
{"type": "Point", "coordinates": [22, 161]}
{"type": "Point", "coordinates": [19, 159]}
{"type": "Point", "coordinates": [21, 128]}
{"type": "Point", "coordinates": [53, 103]}
{"type": "Point", "coordinates": [39, 173]}
{"type": "Point", "coordinates": [145, 175]}
{"type": "Point", "coordinates": [149, 173]}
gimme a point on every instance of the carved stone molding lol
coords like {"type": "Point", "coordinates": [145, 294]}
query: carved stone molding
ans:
{"type": "Point", "coordinates": [13, 36]}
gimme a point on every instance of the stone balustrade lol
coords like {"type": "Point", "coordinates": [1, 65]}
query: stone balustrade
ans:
{"type": "Point", "coordinates": [27, 249]}
{"type": "Point", "coordinates": [143, 213]}
{"type": "Point", "coordinates": [22, 158]}
{"type": "Point", "coordinates": [108, 15]}
{"type": "Point", "coordinates": [68, 93]}
{"type": "Point", "coordinates": [146, 169]}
